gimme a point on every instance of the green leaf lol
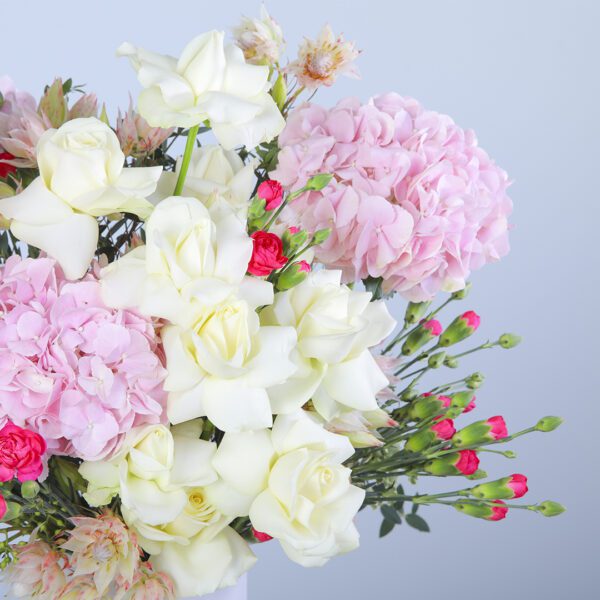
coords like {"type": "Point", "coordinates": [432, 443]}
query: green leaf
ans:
{"type": "Point", "coordinates": [386, 527]}
{"type": "Point", "coordinates": [417, 522]}
{"type": "Point", "coordinates": [373, 285]}
{"type": "Point", "coordinates": [415, 508]}
{"type": "Point", "coordinates": [389, 513]}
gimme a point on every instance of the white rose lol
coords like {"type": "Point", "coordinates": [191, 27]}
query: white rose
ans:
{"type": "Point", "coordinates": [194, 257]}
{"type": "Point", "coordinates": [306, 500]}
{"type": "Point", "coordinates": [214, 173]}
{"type": "Point", "coordinates": [222, 366]}
{"type": "Point", "coordinates": [335, 328]}
{"type": "Point", "coordinates": [150, 473]}
{"type": "Point", "coordinates": [82, 176]}
{"type": "Point", "coordinates": [203, 566]}
{"type": "Point", "coordinates": [208, 81]}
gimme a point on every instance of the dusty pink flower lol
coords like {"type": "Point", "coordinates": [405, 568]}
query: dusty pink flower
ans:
{"type": "Point", "coordinates": [37, 572]}
{"type": "Point", "coordinates": [71, 369]}
{"type": "Point", "coordinates": [147, 585]}
{"type": "Point", "coordinates": [321, 61]}
{"type": "Point", "coordinates": [104, 549]}
{"type": "Point", "coordinates": [414, 199]}
{"type": "Point", "coordinates": [20, 125]}
{"type": "Point", "coordinates": [136, 137]}
{"type": "Point", "coordinates": [80, 588]}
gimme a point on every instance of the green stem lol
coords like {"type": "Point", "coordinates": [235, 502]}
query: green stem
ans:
{"type": "Point", "coordinates": [187, 156]}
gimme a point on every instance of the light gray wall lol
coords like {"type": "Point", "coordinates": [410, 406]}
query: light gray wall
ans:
{"type": "Point", "coordinates": [524, 75]}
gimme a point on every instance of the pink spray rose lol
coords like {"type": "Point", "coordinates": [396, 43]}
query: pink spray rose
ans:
{"type": "Point", "coordinates": [21, 453]}
{"type": "Point", "coordinates": [76, 372]}
{"type": "Point", "coordinates": [414, 199]}
{"type": "Point", "coordinates": [271, 192]}
{"type": "Point", "coordinates": [267, 254]}
{"type": "Point", "coordinates": [518, 484]}
{"type": "Point", "coordinates": [468, 462]}
{"type": "Point", "coordinates": [444, 429]}
{"type": "Point", "coordinates": [498, 428]}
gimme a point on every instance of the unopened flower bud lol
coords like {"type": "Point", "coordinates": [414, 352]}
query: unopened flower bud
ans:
{"type": "Point", "coordinates": [318, 182]}
{"type": "Point", "coordinates": [13, 511]}
{"type": "Point", "coordinates": [422, 335]}
{"type": "Point", "coordinates": [321, 236]}
{"type": "Point", "coordinates": [514, 486]}
{"type": "Point", "coordinates": [509, 340]}
{"type": "Point", "coordinates": [415, 311]}
{"type": "Point", "coordinates": [490, 512]}
{"type": "Point", "coordinates": [441, 431]}
{"type": "Point", "coordinates": [547, 424]}
{"type": "Point", "coordinates": [426, 407]}
{"type": "Point", "coordinates": [463, 462]}
{"type": "Point", "coordinates": [53, 104]}
{"type": "Point", "coordinates": [491, 429]}
{"type": "Point", "coordinates": [379, 419]}
{"type": "Point", "coordinates": [451, 362]}
{"type": "Point", "coordinates": [475, 380]}
{"type": "Point", "coordinates": [548, 508]}
{"type": "Point", "coordinates": [436, 360]}
{"type": "Point", "coordinates": [279, 91]}
{"type": "Point", "coordinates": [30, 489]}
{"type": "Point", "coordinates": [293, 239]}
{"type": "Point", "coordinates": [462, 294]}
{"type": "Point", "coordinates": [460, 329]}
{"type": "Point", "coordinates": [295, 274]}
{"type": "Point", "coordinates": [459, 403]}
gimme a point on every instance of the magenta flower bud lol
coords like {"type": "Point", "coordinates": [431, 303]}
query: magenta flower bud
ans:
{"type": "Point", "coordinates": [513, 486]}
{"type": "Point", "coordinates": [498, 428]}
{"type": "Point", "coordinates": [491, 429]}
{"type": "Point", "coordinates": [444, 429]}
{"type": "Point", "coordinates": [423, 334]}
{"type": "Point", "coordinates": [463, 462]}
{"type": "Point", "coordinates": [3, 507]}
{"type": "Point", "coordinates": [304, 267]}
{"type": "Point", "coordinates": [470, 406]}
{"type": "Point", "coordinates": [461, 328]}
{"type": "Point", "coordinates": [498, 511]}
{"type": "Point", "coordinates": [518, 484]}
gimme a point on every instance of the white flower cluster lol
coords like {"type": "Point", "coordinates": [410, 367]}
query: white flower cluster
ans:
{"type": "Point", "coordinates": [243, 357]}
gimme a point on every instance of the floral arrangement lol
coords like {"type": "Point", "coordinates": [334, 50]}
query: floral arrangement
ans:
{"type": "Point", "coordinates": [195, 345]}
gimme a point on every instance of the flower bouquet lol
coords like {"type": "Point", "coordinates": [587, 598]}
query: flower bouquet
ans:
{"type": "Point", "coordinates": [196, 352]}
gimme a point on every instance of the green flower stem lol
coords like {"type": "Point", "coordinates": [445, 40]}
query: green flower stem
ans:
{"type": "Point", "coordinates": [185, 162]}
{"type": "Point", "coordinates": [391, 345]}
{"type": "Point", "coordinates": [290, 197]}
{"type": "Point", "coordinates": [425, 354]}
{"type": "Point", "coordinates": [484, 346]}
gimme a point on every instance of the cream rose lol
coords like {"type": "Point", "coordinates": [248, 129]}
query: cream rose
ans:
{"type": "Point", "coordinates": [335, 328]}
{"type": "Point", "coordinates": [214, 174]}
{"type": "Point", "coordinates": [209, 81]}
{"type": "Point", "coordinates": [150, 474]}
{"type": "Point", "coordinates": [203, 566]}
{"type": "Point", "coordinates": [194, 258]}
{"type": "Point", "coordinates": [294, 486]}
{"type": "Point", "coordinates": [82, 176]}
{"type": "Point", "coordinates": [223, 364]}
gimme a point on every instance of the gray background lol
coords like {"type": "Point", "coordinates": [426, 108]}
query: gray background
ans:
{"type": "Point", "coordinates": [524, 75]}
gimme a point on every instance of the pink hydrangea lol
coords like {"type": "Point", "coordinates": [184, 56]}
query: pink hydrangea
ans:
{"type": "Point", "coordinates": [414, 199]}
{"type": "Point", "coordinates": [76, 372]}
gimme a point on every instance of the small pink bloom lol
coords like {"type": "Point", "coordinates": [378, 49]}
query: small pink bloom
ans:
{"type": "Point", "coordinates": [267, 254]}
{"type": "Point", "coordinates": [498, 511]}
{"type": "Point", "coordinates": [272, 192]}
{"type": "Point", "coordinates": [472, 319]}
{"type": "Point", "coordinates": [444, 429]}
{"type": "Point", "coordinates": [518, 484]}
{"type": "Point", "coordinates": [498, 428]}
{"type": "Point", "coordinates": [3, 507]}
{"type": "Point", "coordinates": [468, 462]}
{"type": "Point", "coordinates": [434, 327]}
{"type": "Point", "coordinates": [470, 406]}
{"type": "Point", "coordinates": [304, 267]}
{"type": "Point", "coordinates": [21, 453]}
{"type": "Point", "coordinates": [294, 230]}
{"type": "Point", "coordinates": [260, 536]}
